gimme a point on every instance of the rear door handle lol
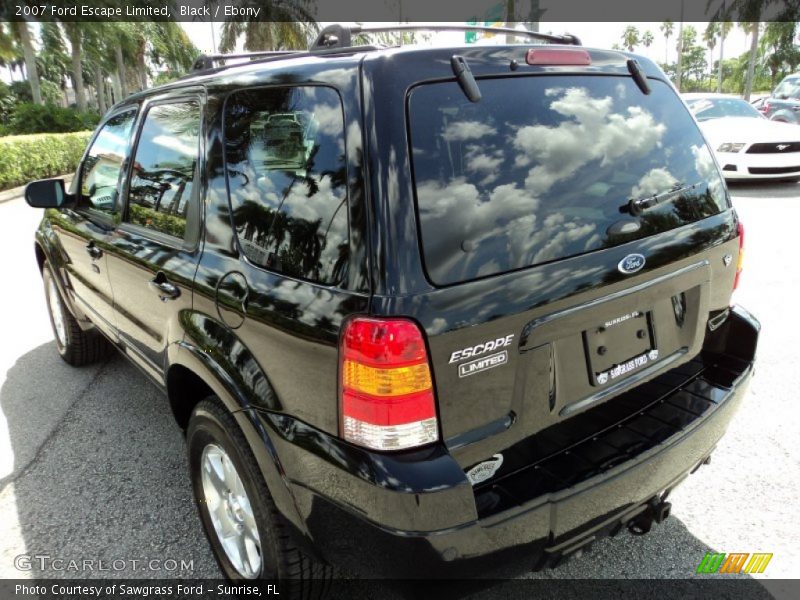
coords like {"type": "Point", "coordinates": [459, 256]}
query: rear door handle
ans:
{"type": "Point", "coordinates": [166, 290]}
{"type": "Point", "coordinates": [93, 250]}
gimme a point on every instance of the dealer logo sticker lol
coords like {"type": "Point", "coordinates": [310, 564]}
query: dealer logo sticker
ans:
{"type": "Point", "coordinates": [485, 470]}
{"type": "Point", "coordinates": [483, 364]}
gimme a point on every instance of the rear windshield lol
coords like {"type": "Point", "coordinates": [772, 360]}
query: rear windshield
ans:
{"type": "Point", "coordinates": [545, 167]}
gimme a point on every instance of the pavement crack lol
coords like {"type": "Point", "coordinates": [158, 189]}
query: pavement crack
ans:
{"type": "Point", "coordinates": [19, 472]}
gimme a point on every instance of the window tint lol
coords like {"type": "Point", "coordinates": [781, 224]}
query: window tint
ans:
{"type": "Point", "coordinates": [543, 168]}
{"type": "Point", "coordinates": [164, 168]}
{"type": "Point", "coordinates": [104, 162]}
{"type": "Point", "coordinates": [287, 180]}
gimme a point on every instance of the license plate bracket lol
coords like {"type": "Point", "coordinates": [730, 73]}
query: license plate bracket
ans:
{"type": "Point", "coordinates": [619, 346]}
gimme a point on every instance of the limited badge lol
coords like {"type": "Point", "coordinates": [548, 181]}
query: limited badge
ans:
{"type": "Point", "coordinates": [485, 470]}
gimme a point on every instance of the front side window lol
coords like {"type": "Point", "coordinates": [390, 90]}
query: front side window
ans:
{"type": "Point", "coordinates": [165, 168]}
{"type": "Point", "coordinates": [104, 162]}
{"type": "Point", "coordinates": [285, 159]}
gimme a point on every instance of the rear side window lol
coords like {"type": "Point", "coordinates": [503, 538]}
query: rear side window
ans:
{"type": "Point", "coordinates": [285, 159]}
{"type": "Point", "coordinates": [104, 162]}
{"type": "Point", "coordinates": [165, 168]}
{"type": "Point", "coordinates": [542, 168]}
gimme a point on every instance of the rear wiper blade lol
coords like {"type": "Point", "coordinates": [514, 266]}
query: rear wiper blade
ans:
{"type": "Point", "coordinates": [637, 206]}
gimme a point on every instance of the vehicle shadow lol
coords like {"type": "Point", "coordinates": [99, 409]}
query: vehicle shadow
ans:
{"type": "Point", "coordinates": [109, 482]}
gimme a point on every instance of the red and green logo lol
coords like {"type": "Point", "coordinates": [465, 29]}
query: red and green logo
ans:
{"type": "Point", "coordinates": [737, 562]}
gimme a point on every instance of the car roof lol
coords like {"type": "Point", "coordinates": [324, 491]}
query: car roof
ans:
{"type": "Point", "coordinates": [260, 69]}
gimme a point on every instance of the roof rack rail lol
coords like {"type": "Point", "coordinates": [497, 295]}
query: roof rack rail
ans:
{"type": "Point", "coordinates": [341, 36]}
{"type": "Point", "coordinates": [205, 62]}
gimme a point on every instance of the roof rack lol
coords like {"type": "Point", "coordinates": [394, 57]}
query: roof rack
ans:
{"type": "Point", "coordinates": [335, 39]}
{"type": "Point", "coordinates": [208, 61]}
{"type": "Point", "coordinates": [341, 36]}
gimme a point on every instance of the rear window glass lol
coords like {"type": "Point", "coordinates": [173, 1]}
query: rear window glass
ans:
{"type": "Point", "coordinates": [543, 168]}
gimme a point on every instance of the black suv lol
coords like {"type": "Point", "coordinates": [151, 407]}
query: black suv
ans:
{"type": "Point", "coordinates": [419, 310]}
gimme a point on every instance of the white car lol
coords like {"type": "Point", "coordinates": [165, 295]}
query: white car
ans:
{"type": "Point", "coordinates": [747, 144]}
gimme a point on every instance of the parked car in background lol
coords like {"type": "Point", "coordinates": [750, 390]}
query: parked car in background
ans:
{"type": "Point", "coordinates": [784, 103]}
{"type": "Point", "coordinates": [746, 143]}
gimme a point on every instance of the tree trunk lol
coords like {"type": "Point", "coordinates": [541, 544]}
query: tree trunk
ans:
{"type": "Point", "coordinates": [666, 50]}
{"type": "Point", "coordinates": [28, 52]}
{"type": "Point", "coordinates": [77, 69]}
{"type": "Point", "coordinates": [116, 88]}
{"type": "Point", "coordinates": [141, 64]}
{"type": "Point", "coordinates": [100, 89]}
{"type": "Point", "coordinates": [511, 17]}
{"type": "Point", "coordinates": [679, 70]}
{"type": "Point", "coordinates": [751, 62]}
{"type": "Point", "coordinates": [719, 73]}
{"type": "Point", "coordinates": [122, 79]}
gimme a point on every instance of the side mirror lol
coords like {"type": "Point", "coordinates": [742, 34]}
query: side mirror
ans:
{"type": "Point", "coordinates": [782, 96]}
{"type": "Point", "coordinates": [46, 193]}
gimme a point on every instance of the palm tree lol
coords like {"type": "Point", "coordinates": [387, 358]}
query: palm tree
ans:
{"type": "Point", "coordinates": [724, 30]}
{"type": "Point", "coordinates": [75, 33]}
{"type": "Point", "coordinates": [748, 14]}
{"type": "Point", "coordinates": [53, 61]}
{"type": "Point", "coordinates": [23, 35]}
{"type": "Point", "coordinates": [124, 52]}
{"type": "Point", "coordinates": [681, 44]}
{"type": "Point", "coordinates": [264, 35]}
{"type": "Point", "coordinates": [753, 29]}
{"type": "Point", "coordinates": [282, 26]}
{"type": "Point", "coordinates": [667, 27]}
{"type": "Point", "coordinates": [647, 38]}
{"type": "Point", "coordinates": [710, 38]}
{"type": "Point", "coordinates": [778, 48]}
{"type": "Point", "coordinates": [171, 46]}
{"type": "Point", "coordinates": [98, 57]}
{"type": "Point", "coordinates": [630, 38]}
{"type": "Point", "coordinates": [8, 48]}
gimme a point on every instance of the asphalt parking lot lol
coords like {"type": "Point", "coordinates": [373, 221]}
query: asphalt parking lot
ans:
{"type": "Point", "coordinates": [92, 466]}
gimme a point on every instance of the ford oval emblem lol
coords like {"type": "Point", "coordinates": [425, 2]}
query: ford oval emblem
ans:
{"type": "Point", "coordinates": [631, 264]}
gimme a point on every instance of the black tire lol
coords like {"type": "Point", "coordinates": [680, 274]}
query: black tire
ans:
{"type": "Point", "coordinates": [296, 574]}
{"type": "Point", "coordinates": [76, 346]}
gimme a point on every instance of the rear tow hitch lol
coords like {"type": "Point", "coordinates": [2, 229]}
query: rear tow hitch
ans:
{"type": "Point", "coordinates": [656, 512]}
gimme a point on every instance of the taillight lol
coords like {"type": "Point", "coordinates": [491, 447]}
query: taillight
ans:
{"type": "Point", "coordinates": [740, 261]}
{"type": "Point", "coordinates": [387, 400]}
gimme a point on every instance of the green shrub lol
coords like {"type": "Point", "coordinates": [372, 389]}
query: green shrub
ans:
{"type": "Point", "coordinates": [24, 158]}
{"type": "Point", "coordinates": [34, 118]}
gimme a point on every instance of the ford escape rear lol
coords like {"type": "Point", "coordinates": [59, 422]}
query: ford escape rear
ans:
{"type": "Point", "coordinates": [420, 310]}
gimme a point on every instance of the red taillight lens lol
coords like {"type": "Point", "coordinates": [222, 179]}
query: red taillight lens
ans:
{"type": "Point", "coordinates": [740, 260]}
{"type": "Point", "coordinates": [387, 398]}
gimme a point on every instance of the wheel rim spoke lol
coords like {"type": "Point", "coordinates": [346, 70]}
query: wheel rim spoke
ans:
{"type": "Point", "coordinates": [57, 313]}
{"type": "Point", "coordinates": [231, 511]}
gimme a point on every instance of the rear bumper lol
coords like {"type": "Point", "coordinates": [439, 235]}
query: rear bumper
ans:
{"type": "Point", "coordinates": [415, 515]}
